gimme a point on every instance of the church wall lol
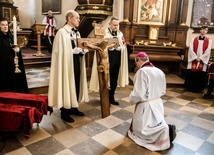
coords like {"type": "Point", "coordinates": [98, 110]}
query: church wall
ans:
{"type": "Point", "coordinates": [25, 12]}
{"type": "Point", "coordinates": [29, 11]}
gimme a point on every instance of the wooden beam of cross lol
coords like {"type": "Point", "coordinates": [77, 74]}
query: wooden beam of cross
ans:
{"type": "Point", "coordinates": [96, 41]}
{"type": "Point", "coordinates": [101, 45]}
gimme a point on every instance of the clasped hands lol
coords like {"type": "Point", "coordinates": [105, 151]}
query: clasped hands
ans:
{"type": "Point", "coordinates": [198, 59]}
{"type": "Point", "coordinates": [51, 25]}
{"type": "Point", "coordinates": [78, 50]}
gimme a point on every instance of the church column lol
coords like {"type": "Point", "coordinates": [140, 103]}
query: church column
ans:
{"type": "Point", "coordinates": [126, 10]}
{"type": "Point", "coordinates": [212, 15]}
{"type": "Point", "coordinates": [120, 9]}
{"type": "Point", "coordinates": [183, 13]}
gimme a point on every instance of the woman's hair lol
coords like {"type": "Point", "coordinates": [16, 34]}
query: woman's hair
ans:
{"type": "Point", "coordinates": [3, 19]}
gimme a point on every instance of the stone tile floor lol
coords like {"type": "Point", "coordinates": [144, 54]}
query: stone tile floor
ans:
{"type": "Point", "coordinates": [93, 135]}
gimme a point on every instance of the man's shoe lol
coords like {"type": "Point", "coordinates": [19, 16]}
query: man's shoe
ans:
{"type": "Point", "coordinates": [75, 111]}
{"type": "Point", "coordinates": [172, 132]}
{"type": "Point", "coordinates": [114, 102]}
{"type": "Point", "coordinates": [67, 118]}
{"type": "Point", "coordinates": [208, 96]}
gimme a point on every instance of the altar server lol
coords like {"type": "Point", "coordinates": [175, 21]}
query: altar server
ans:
{"type": "Point", "coordinates": [50, 28]}
{"type": "Point", "coordinates": [198, 58]}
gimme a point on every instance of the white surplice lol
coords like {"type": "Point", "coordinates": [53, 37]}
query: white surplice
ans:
{"type": "Point", "coordinates": [204, 56]}
{"type": "Point", "coordinates": [149, 128]}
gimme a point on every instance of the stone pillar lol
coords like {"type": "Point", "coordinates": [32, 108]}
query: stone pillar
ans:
{"type": "Point", "coordinates": [126, 10]}
{"type": "Point", "coordinates": [183, 13]}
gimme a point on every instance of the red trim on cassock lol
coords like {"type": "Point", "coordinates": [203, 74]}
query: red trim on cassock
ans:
{"type": "Point", "coordinates": [195, 48]}
{"type": "Point", "coordinates": [49, 21]}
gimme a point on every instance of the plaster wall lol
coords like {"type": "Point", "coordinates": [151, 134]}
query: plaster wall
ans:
{"type": "Point", "coordinates": [31, 11]}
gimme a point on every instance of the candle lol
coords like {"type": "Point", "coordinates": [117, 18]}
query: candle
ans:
{"type": "Point", "coordinates": [14, 30]}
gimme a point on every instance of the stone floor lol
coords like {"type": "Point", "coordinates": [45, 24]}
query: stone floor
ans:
{"type": "Point", "coordinates": [93, 135]}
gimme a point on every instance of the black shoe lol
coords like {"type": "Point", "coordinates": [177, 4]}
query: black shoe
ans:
{"type": "Point", "coordinates": [114, 102]}
{"type": "Point", "coordinates": [66, 116]}
{"type": "Point", "coordinates": [172, 132]}
{"type": "Point", "coordinates": [208, 96]}
{"type": "Point", "coordinates": [75, 111]}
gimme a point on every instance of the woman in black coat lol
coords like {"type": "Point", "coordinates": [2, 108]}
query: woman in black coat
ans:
{"type": "Point", "coordinates": [9, 80]}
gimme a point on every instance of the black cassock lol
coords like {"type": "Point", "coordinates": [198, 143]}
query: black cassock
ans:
{"type": "Point", "coordinates": [9, 80]}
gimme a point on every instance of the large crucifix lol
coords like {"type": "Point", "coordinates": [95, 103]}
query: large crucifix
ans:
{"type": "Point", "coordinates": [101, 45]}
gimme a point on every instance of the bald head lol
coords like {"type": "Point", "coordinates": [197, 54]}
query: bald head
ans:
{"type": "Point", "coordinates": [50, 13]}
{"type": "Point", "coordinates": [72, 18]}
{"type": "Point", "coordinates": [70, 13]}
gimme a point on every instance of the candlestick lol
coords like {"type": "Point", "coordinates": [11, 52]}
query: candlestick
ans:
{"type": "Point", "coordinates": [14, 31]}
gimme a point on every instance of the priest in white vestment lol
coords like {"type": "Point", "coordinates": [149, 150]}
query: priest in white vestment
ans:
{"type": "Point", "coordinates": [66, 58]}
{"type": "Point", "coordinates": [148, 127]}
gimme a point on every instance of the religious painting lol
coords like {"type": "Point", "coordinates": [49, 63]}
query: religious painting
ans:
{"type": "Point", "coordinates": [203, 13]}
{"type": "Point", "coordinates": [152, 12]}
{"type": "Point", "coordinates": [54, 5]}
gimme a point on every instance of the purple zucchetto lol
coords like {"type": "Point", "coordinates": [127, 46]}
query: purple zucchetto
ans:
{"type": "Point", "coordinates": [142, 54]}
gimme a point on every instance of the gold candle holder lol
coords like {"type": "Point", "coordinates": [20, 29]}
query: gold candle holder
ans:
{"type": "Point", "coordinates": [16, 61]}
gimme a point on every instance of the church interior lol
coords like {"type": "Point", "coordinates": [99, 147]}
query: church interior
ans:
{"type": "Point", "coordinates": [163, 32]}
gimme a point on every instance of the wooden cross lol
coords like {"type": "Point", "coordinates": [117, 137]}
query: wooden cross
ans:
{"type": "Point", "coordinates": [101, 45]}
